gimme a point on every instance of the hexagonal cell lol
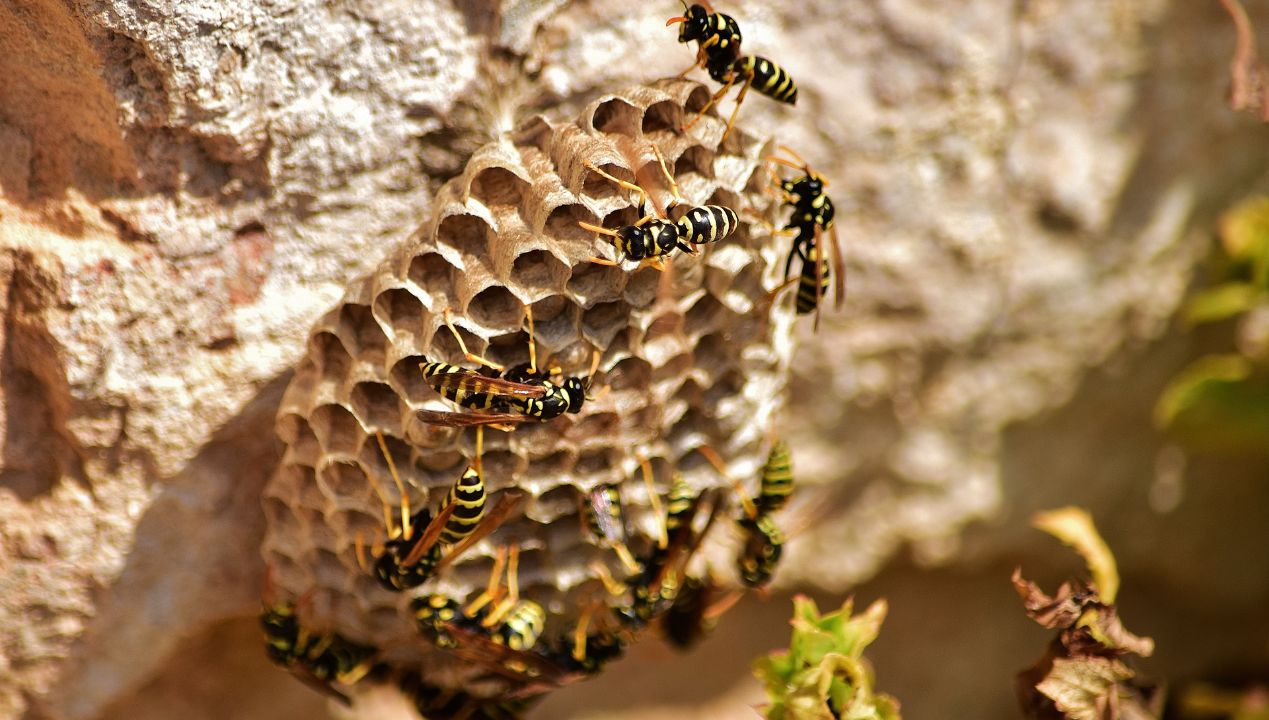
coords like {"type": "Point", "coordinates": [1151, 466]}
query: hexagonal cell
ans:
{"type": "Point", "coordinates": [466, 233]}
{"type": "Point", "coordinates": [593, 283]}
{"type": "Point", "coordinates": [554, 464]}
{"type": "Point", "coordinates": [539, 270]}
{"type": "Point", "coordinates": [499, 467]}
{"type": "Point", "coordinates": [361, 333]}
{"type": "Point", "coordinates": [333, 361]}
{"type": "Point", "coordinates": [662, 116]}
{"type": "Point", "coordinates": [672, 369]}
{"type": "Point", "coordinates": [697, 160]}
{"type": "Point", "coordinates": [601, 322]}
{"type": "Point", "coordinates": [403, 311]}
{"type": "Point", "coordinates": [562, 223]}
{"type": "Point", "coordinates": [615, 116]}
{"type": "Point", "coordinates": [632, 373]}
{"type": "Point", "coordinates": [495, 306]}
{"type": "Point", "coordinates": [296, 433]}
{"type": "Point", "coordinates": [594, 462]}
{"type": "Point", "coordinates": [498, 186]}
{"type": "Point", "coordinates": [337, 429]}
{"type": "Point", "coordinates": [342, 481]}
{"type": "Point", "coordinates": [641, 287]}
{"type": "Point", "coordinates": [376, 405]}
{"type": "Point", "coordinates": [705, 316]}
{"type": "Point", "coordinates": [434, 275]}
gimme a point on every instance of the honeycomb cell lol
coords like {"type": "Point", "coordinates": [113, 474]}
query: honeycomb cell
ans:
{"type": "Point", "coordinates": [706, 316]}
{"type": "Point", "coordinates": [376, 405]}
{"type": "Point", "coordinates": [342, 481]}
{"type": "Point", "coordinates": [468, 234]}
{"type": "Point", "coordinates": [433, 274]}
{"type": "Point", "coordinates": [498, 186]}
{"type": "Point", "coordinates": [632, 373]}
{"type": "Point", "coordinates": [337, 430]}
{"type": "Point", "coordinates": [332, 360]}
{"type": "Point", "coordinates": [495, 306]}
{"type": "Point", "coordinates": [662, 116]}
{"type": "Point", "coordinates": [594, 283]}
{"type": "Point", "coordinates": [539, 271]}
{"type": "Point", "coordinates": [616, 116]}
{"type": "Point", "coordinates": [361, 334]}
{"type": "Point", "coordinates": [402, 311]}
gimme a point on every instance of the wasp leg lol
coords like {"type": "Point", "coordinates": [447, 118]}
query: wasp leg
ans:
{"type": "Point", "coordinates": [669, 179]}
{"type": "Point", "coordinates": [473, 357]}
{"type": "Point", "coordinates": [493, 590]}
{"type": "Point", "coordinates": [751, 511]}
{"type": "Point", "coordinates": [654, 502]}
{"type": "Point", "coordinates": [739, 99]}
{"type": "Point", "coordinates": [716, 97]}
{"type": "Point", "coordinates": [643, 195]}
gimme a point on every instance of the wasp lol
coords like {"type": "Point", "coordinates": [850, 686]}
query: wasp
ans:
{"type": "Point", "coordinates": [318, 659]}
{"type": "Point", "coordinates": [652, 239]}
{"type": "Point", "coordinates": [517, 394]}
{"type": "Point", "coordinates": [810, 220]}
{"type": "Point", "coordinates": [653, 589]}
{"type": "Point", "coordinates": [762, 541]}
{"type": "Point", "coordinates": [422, 545]}
{"type": "Point", "coordinates": [718, 49]}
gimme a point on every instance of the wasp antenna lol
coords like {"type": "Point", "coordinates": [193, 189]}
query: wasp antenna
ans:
{"type": "Point", "coordinates": [796, 156]}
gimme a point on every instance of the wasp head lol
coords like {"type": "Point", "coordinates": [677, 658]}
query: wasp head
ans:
{"type": "Point", "coordinates": [695, 21]}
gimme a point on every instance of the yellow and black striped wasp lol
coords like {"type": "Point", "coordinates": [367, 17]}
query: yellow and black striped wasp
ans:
{"type": "Point", "coordinates": [319, 659]}
{"type": "Point", "coordinates": [811, 218]}
{"type": "Point", "coordinates": [762, 540]}
{"type": "Point", "coordinates": [604, 518]}
{"type": "Point", "coordinates": [518, 394]}
{"type": "Point", "coordinates": [662, 572]}
{"type": "Point", "coordinates": [422, 545]}
{"type": "Point", "coordinates": [718, 49]}
{"type": "Point", "coordinates": [654, 237]}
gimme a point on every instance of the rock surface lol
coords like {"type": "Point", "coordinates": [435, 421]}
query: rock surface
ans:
{"type": "Point", "coordinates": [1023, 191]}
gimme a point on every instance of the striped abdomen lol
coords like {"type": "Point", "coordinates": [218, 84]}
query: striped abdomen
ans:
{"type": "Point", "coordinates": [777, 478]}
{"type": "Point", "coordinates": [463, 386]}
{"type": "Point", "coordinates": [679, 504]}
{"type": "Point", "coordinates": [468, 498]}
{"type": "Point", "coordinates": [707, 224]}
{"type": "Point", "coordinates": [806, 300]}
{"type": "Point", "coordinates": [768, 78]}
{"type": "Point", "coordinates": [764, 544]}
{"type": "Point", "coordinates": [522, 626]}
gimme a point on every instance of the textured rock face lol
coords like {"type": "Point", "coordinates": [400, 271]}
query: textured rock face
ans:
{"type": "Point", "coordinates": [186, 189]}
{"type": "Point", "coordinates": [693, 355]}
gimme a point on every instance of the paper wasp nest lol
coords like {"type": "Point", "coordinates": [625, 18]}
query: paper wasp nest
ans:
{"type": "Point", "coordinates": [695, 355]}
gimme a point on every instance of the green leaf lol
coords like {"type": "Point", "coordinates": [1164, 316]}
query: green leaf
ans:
{"type": "Point", "coordinates": [1222, 302]}
{"type": "Point", "coordinates": [1244, 231]}
{"type": "Point", "coordinates": [1074, 527]}
{"type": "Point", "coordinates": [823, 668]}
{"type": "Point", "coordinates": [1220, 403]}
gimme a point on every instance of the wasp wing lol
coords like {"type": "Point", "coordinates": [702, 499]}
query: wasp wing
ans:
{"type": "Point", "coordinates": [465, 419]}
{"type": "Point", "coordinates": [430, 535]}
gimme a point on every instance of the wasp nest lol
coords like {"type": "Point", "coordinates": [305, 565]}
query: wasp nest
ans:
{"type": "Point", "coordinates": [695, 355]}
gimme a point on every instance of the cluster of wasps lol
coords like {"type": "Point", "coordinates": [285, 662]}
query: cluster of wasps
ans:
{"type": "Point", "coordinates": [499, 630]}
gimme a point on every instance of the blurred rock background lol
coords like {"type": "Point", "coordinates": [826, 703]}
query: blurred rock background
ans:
{"type": "Point", "coordinates": [1025, 190]}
